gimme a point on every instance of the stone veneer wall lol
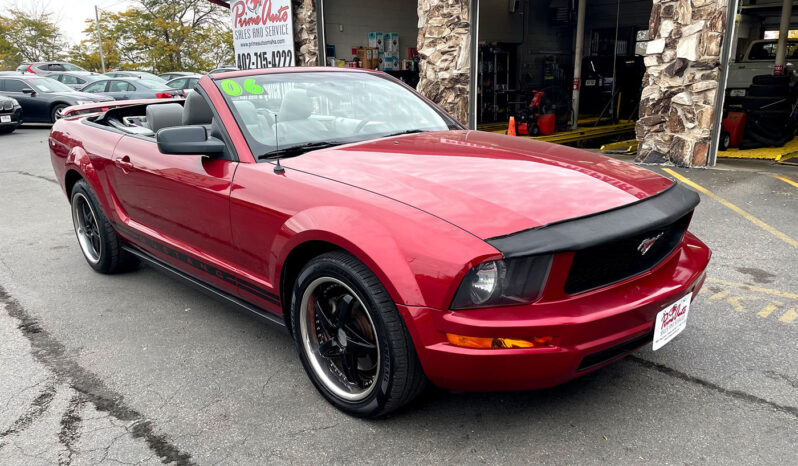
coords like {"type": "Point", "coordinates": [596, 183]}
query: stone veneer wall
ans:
{"type": "Point", "coordinates": [444, 44]}
{"type": "Point", "coordinates": [306, 39]}
{"type": "Point", "coordinates": [677, 106]}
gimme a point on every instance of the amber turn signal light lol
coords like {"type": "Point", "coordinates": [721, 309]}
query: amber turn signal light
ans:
{"type": "Point", "coordinates": [494, 343]}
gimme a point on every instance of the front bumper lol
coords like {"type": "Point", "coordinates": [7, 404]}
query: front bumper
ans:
{"type": "Point", "coordinates": [590, 329]}
{"type": "Point", "coordinates": [16, 117]}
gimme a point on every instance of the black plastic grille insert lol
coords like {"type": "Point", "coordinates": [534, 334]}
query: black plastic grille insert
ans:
{"type": "Point", "coordinates": [617, 260]}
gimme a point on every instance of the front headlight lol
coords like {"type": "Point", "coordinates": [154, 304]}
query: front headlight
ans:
{"type": "Point", "coordinates": [81, 102]}
{"type": "Point", "coordinates": [504, 282]}
{"type": "Point", "coordinates": [15, 102]}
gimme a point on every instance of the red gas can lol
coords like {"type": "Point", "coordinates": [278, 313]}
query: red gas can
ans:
{"type": "Point", "coordinates": [546, 124]}
{"type": "Point", "coordinates": [734, 124]}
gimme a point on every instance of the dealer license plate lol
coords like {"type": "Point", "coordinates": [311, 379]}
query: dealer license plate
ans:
{"type": "Point", "coordinates": [671, 321]}
{"type": "Point", "coordinates": [737, 92]}
{"type": "Point", "coordinates": [590, 82]}
{"type": "Point", "coordinates": [5, 118]}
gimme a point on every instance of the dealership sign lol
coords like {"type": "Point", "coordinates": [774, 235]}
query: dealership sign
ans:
{"type": "Point", "coordinates": [263, 33]}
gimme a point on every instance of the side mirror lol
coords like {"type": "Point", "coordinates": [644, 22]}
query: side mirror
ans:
{"type": "Point", "coordinates": [188, 140]}
{"type": "Point", "coordinates": [28, 91]}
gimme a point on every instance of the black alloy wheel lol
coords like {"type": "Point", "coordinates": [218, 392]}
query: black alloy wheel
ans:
{"type": "Point", "coordinates": [351, 339]}
{"type": "Point", "coordinates": [98, 241]}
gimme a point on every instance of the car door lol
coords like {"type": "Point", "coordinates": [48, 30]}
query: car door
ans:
{"type": "Point", "coordinates": [120, 90]}
{"type": "Point", "coordinates": [179, 202]}
{"type": "Point", "coordinates": [34, 107]}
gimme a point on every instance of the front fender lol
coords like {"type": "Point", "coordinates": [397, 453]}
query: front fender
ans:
{"type": "Point", "coordinates": [365, 238]}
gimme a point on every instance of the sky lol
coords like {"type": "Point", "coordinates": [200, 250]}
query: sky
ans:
{"type": "Point", "coordinates": [69, 14]}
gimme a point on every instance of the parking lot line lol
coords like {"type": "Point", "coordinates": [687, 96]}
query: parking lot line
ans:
{"type": "Point", "coordinates": [758, 289]}
{"type": "Point", "coordinates": [786, 180]}
{"type": "Point", "coordinates": [769, 308]}
{"type": "Point", "coordinates": [773, 231]}
{"type": "Point", "coordinates": [789, 316]}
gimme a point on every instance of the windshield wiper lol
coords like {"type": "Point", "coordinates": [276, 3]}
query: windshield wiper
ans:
{"type": "Point", "coordinates": [298, 149]}
{"type": "Point", "coordinates": [407, 131]}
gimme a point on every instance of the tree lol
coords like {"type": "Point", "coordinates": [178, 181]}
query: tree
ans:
{"type": "Point", "coordinates": [160, 35]}
{"type": "Point", "coordinates": [29, 36]}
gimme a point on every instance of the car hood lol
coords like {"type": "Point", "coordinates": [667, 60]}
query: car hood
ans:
{"type": "Point", "coordinates": [487, 184]}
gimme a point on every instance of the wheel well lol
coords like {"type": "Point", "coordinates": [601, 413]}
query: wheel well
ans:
{"type": "Point", "coordinates": [297, 258]}
{"type": "Point", "coordinates": [70, 179]}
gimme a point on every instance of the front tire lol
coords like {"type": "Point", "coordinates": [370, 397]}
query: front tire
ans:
{"type": "Point", "coordinates": [99, 243]}
{"type": "Point", "coordinates": [351, 339]}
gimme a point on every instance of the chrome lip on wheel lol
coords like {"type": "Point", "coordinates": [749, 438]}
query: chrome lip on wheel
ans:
{"type": "Point", "coordinates": [86, 227]}
{"type": "Point", "coordinates": [339, 339]}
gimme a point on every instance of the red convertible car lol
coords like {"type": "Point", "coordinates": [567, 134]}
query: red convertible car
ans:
{"type": "Point", "coordinates": [398, 247]}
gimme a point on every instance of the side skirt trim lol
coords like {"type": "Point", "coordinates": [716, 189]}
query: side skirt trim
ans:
{"type": "Point", "coordinates": [208, 289]}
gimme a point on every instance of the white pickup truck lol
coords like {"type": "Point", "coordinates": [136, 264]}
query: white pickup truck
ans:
{"type": "Point", "coordinates": [759, 58]}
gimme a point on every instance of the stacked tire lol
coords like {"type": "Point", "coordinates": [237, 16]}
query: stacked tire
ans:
{"type": "Point", "coordinates": [769, 106]}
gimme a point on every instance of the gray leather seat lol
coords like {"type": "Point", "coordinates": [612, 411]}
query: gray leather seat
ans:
{"type": "Point", "coordinates": [196, 110]}
{"type": "Point", "coordinates": [164, 116]}
{"type": "Point", "coordinates": [296, 106]}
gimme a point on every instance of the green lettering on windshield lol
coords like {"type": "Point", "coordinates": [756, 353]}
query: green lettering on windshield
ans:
{"type": "Point", "coordinates": [231, 87]}
{"type": "Point", "coordinates": [252, 87]}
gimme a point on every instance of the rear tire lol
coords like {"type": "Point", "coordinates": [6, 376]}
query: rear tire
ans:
{"type": "Point", "coordinates": [351, 339]}
{"type": "Point", "coordinates": [99, 243]}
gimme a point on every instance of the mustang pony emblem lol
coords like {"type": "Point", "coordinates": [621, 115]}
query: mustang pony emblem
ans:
{"type": "Point", "coordinates": [646, 244]}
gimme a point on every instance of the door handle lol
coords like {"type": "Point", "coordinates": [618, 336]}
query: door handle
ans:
{"type": "Point", "coordinates": [124, 163]}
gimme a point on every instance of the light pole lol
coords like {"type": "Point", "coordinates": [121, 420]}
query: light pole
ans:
{"type": "Point", "coordinates": [99, 37]}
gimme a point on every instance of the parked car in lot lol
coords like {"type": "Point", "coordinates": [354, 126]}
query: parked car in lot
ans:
{"type": "Point", "coordinates": [175, 74]}
{"type": "Point", "coordinates": [185, 83]}
{"type": "Point", "coordinates": [134, 74]}
{"type": "Point", "coordinates": [132, 88]}
{"type": "Point", "coordinates": [396, 246]}
{"type": "Point", "coordinates": [759, 59]}
{"type": "Point", "coordinates": [10, 114]}
{"type": "Point", "coordinates": [43, 99]}
{"type": "Point", "coordinates": [45, 68]}
{"type": "Point", "coordinates": [76, 79]}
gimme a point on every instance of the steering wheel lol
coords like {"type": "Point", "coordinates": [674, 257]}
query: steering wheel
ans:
{"type": "Point", "coordinates": [362, 124]}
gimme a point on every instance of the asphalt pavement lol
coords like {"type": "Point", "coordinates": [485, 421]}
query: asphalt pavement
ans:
{"type": "Point", "coordinates": [140, 368]}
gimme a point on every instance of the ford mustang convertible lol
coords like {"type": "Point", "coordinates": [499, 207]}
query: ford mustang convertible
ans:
{"type": "Point", "coordinates": [396, 246]}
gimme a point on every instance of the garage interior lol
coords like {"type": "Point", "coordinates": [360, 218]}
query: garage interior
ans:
{"type": "Point", "coordinates": [363, 24]}
{"type": "Point", "coordinates": [526, 55]}
{"type": "Point", "coordinates": [759, 108]}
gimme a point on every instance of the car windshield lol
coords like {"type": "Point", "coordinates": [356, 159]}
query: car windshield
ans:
{"type": "Point", "coordinates": [151, 84]}
{"type": "Point", "coordinates": [48, 85]}
{"type": "Point", "coordinates": [284, 110]}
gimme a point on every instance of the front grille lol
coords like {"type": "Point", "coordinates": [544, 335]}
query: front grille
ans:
{"type": "Point", "coordinates": [617, 260]}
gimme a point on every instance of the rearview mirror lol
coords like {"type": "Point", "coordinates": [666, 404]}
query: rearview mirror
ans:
{"type": "Point", "coordinates": [28, 90]}
{"type": "Point", "coordinates": [188, 140]}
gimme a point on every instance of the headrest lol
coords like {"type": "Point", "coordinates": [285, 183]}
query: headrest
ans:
{"type": "Point", "coordinates": [164, 116]}
{"type": "Point", "coordinates": [296, 106]}
{"type": "Point", "coordinates": [196, 110]}
{"type": "Point", "coordinates": [247, 111]}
